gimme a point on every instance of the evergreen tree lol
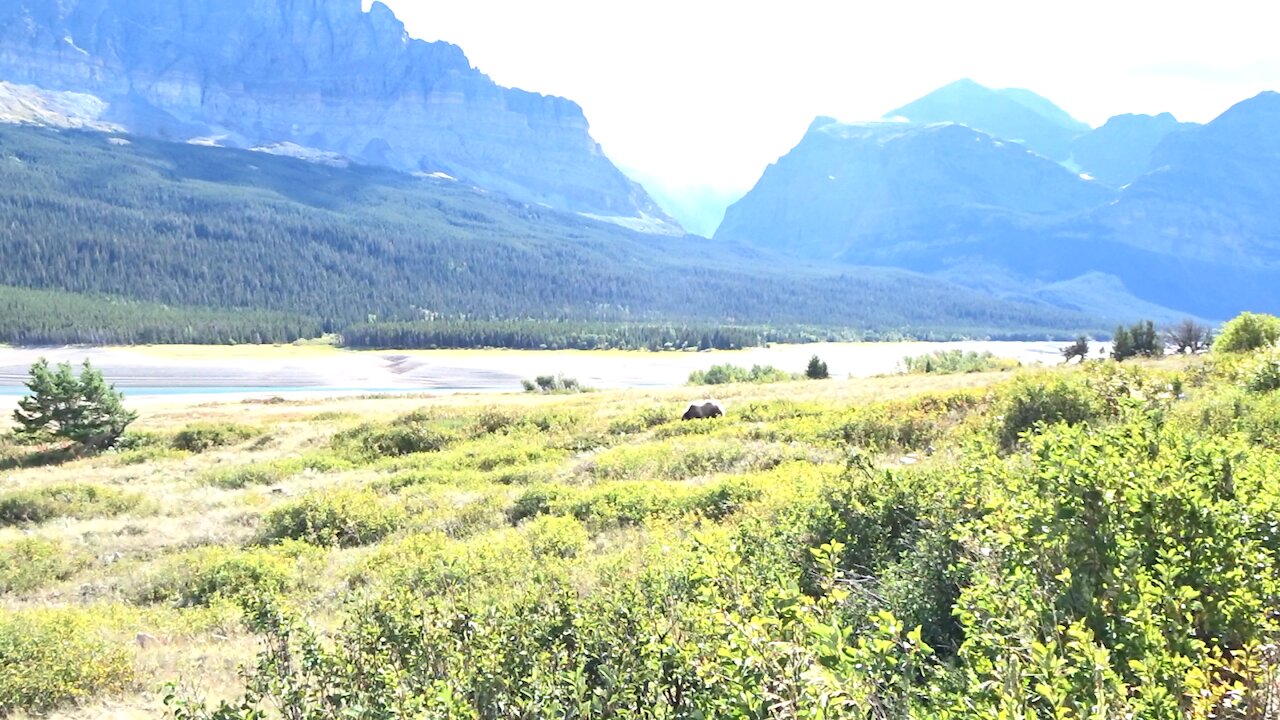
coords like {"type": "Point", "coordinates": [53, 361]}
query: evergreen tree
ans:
{"type": "Point", "coordinates": [85, 410]}
{"type": "Point", "coordinates": [817, 369]}
{"type": "Point", "coordinates": [1146, 341]}
{"type": "Point", "coordinates": [1122, 344]}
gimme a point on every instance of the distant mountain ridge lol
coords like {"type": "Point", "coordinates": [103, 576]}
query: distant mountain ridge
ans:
{"type": "Point", "coordinates": [1177, 218]}
{"type": "Point", "coordinates": [322, 74]}
{"type": "Point", "coordinates": [1015, 115]}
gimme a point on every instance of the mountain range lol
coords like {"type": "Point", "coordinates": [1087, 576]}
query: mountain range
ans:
{"type": "Point", "coordinates": [1003, 192]}
{"type": "Point", "coordinates": [309, 157]}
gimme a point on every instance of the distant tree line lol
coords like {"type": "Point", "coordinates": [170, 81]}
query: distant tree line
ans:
{"type": "Point", "coordinates": [40, 317]}
{"type": "Point", "coordinates": [568, 335]}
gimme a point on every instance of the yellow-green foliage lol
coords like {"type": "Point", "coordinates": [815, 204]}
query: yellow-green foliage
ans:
{"type": "Point", "coordinates": [947, 362]}
{"type": "Point", "coordinates": [32, 563]}
{"type": "Point", "coordinates": [67, 501]}
{"type": "Point", "coordinates": [645, 418]}
{"type": "Point", "coordinates": [560, 537]}
{"type": "Point", "coordinates": [632, 503]}
{"type": "Point", "coordinates": [276, 471]}
{"type": "Point", "coordinates": [50, 657]}
{"type": "Point", "coordinates": [723, 374]}
{"type": "Point", "coordinates": [340, 517]}
{"type": "Point", "coordinates": [1094, 542]}
{"type": "Point", "coordinates": [199, 437]}
{"type": "Point", "coordinates": [1247, 332]}
{"type": "Point", "coordinates": [684, 458]}
{"type": "Point", "coordinates": [1037, 401]}
{"type": "Point", "coordinates": [200, 576]}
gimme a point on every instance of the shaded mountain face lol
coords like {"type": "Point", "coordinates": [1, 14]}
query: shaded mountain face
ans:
{"type": "Point", "coordinates": [317, 73]}
{"type": "Point", "coordinates": [1211, 192]}
{"type": "Point", "coordinates": [1120, 151]}
{"type": "Point", "coordinates": [879, 192]}
{"type": "Point", "coordinates": [1015, 115]}
{"type": "Point", "coordinates": [1194, 234]}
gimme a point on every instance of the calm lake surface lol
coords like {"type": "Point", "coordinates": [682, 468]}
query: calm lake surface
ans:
{"type": "Point", "coordinates": [287, 371]}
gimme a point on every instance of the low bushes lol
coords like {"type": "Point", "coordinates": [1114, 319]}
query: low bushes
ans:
{"type": "Point", "coordinates": [200, 437]}
{"type": "Point", "coordinates": [32, 563]}
{"type": "Point", "coordinates": [200, 576]}
{"type": "Point", "coordinates": [723, 374]}
{"type": "Point", "coordinates": [342, 518]}
{"type": "Point", "coordinates": [54, 657]}
{"type": "Point", "coordinates": [66, 500]}
{"type": "Point", "coordinates": [950, 362]}
{"type": "Point", "coordinates": [276, 471]}
{"type": "Point", "coordinates": [1032, 401]}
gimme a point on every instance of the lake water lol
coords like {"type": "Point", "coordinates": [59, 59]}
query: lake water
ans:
{"type": "Point", "coordinates": [298, 372]}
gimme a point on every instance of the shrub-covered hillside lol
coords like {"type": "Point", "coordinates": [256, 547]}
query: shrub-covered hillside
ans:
{"type": "Point", "coordinates": [1086, 543]}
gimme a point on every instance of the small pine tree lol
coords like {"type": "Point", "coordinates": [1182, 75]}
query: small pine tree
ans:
{"type": "Point", "coordinates": [85, 410]}
{"type": "Point", "coordinates": [1122, 344]}
{"type": "Point", "coordinates": [1146, 341]}
{"type": "Point", "coordinates": [817, 369]}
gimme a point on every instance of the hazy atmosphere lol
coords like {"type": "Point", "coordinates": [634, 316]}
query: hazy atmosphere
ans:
{"type": "Point", "coordinates": [707, 93]}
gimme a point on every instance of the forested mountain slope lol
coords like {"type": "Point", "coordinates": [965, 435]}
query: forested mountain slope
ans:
{"type": "Point", "coordinates": [219, 228]}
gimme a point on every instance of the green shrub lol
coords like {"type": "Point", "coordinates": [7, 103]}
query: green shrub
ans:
{"type": "Point", "coordinates": [685, 458]}
{"type": "Point", "coordinates": [950, 362]}
{"type": "Point", "coordinates": [536, 501]}
{"type": "Point", "coordinates": [643, 419]}
{"type": "Point", "coordinates": [881, 428]}
{"type": "Point", "coordinates": [55, 657]}
{"type": "Point", "coordinates": [406, 435]}
{"type": "Point", "coordinates": [200, 576]}
{"type": "Point", "coordinates": [1247, 332]}
{"type": "Point", "coordinates": [1033, 401]}
{"type": "Point", "coordinates": [199, 437]}
{"type": "Point", "coordinates": [276, 471]}
{"type": "Point", "coordinates": [32, 563]}
{"type": "Point", "coordinates": [342, 518]}
{"type": "Point", "coordinates": [151, 453]}
{"type": "Point", "coordinates": [554, 385]}
{"type": "Point", "coordinates": [560, 537]}
{"type": "Point", "coordinates": [83, 409]}
{"type": "Point", "coordinates": [725, 498]}
{"type": "Point", "coordinates": [722, 374]}
{"type": "Point", "coordinates": [68, 500]}
{"type": "Point", "coordinates": [1262, 373]}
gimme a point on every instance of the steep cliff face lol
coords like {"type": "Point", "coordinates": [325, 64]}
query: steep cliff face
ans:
{"type": "Point", "coordinates": [321, 74]}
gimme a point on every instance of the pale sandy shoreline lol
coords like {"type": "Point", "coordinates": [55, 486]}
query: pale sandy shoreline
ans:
{"type": "Point", "coordinates": [172, 373]}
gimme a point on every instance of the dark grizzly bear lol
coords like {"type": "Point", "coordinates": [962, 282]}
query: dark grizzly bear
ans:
{"type": "Point", "coordinates": [707, 409]}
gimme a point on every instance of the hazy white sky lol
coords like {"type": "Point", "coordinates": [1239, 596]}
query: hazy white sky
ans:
{"type": "Point", "coordinates": [708, 92]}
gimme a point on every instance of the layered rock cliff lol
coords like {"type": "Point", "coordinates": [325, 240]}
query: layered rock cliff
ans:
{"type": "Point", "coordinates": [321, 74]}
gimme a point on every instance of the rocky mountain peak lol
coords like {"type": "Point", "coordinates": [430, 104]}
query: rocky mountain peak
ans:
{"type": "Point", "coordinates": [1014, 114]}
{"type": "Point", "coordinates": [323, 74]}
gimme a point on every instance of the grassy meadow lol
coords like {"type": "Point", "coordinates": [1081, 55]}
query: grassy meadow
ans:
{"type": "Point", "coordinates": [1081, 542]}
